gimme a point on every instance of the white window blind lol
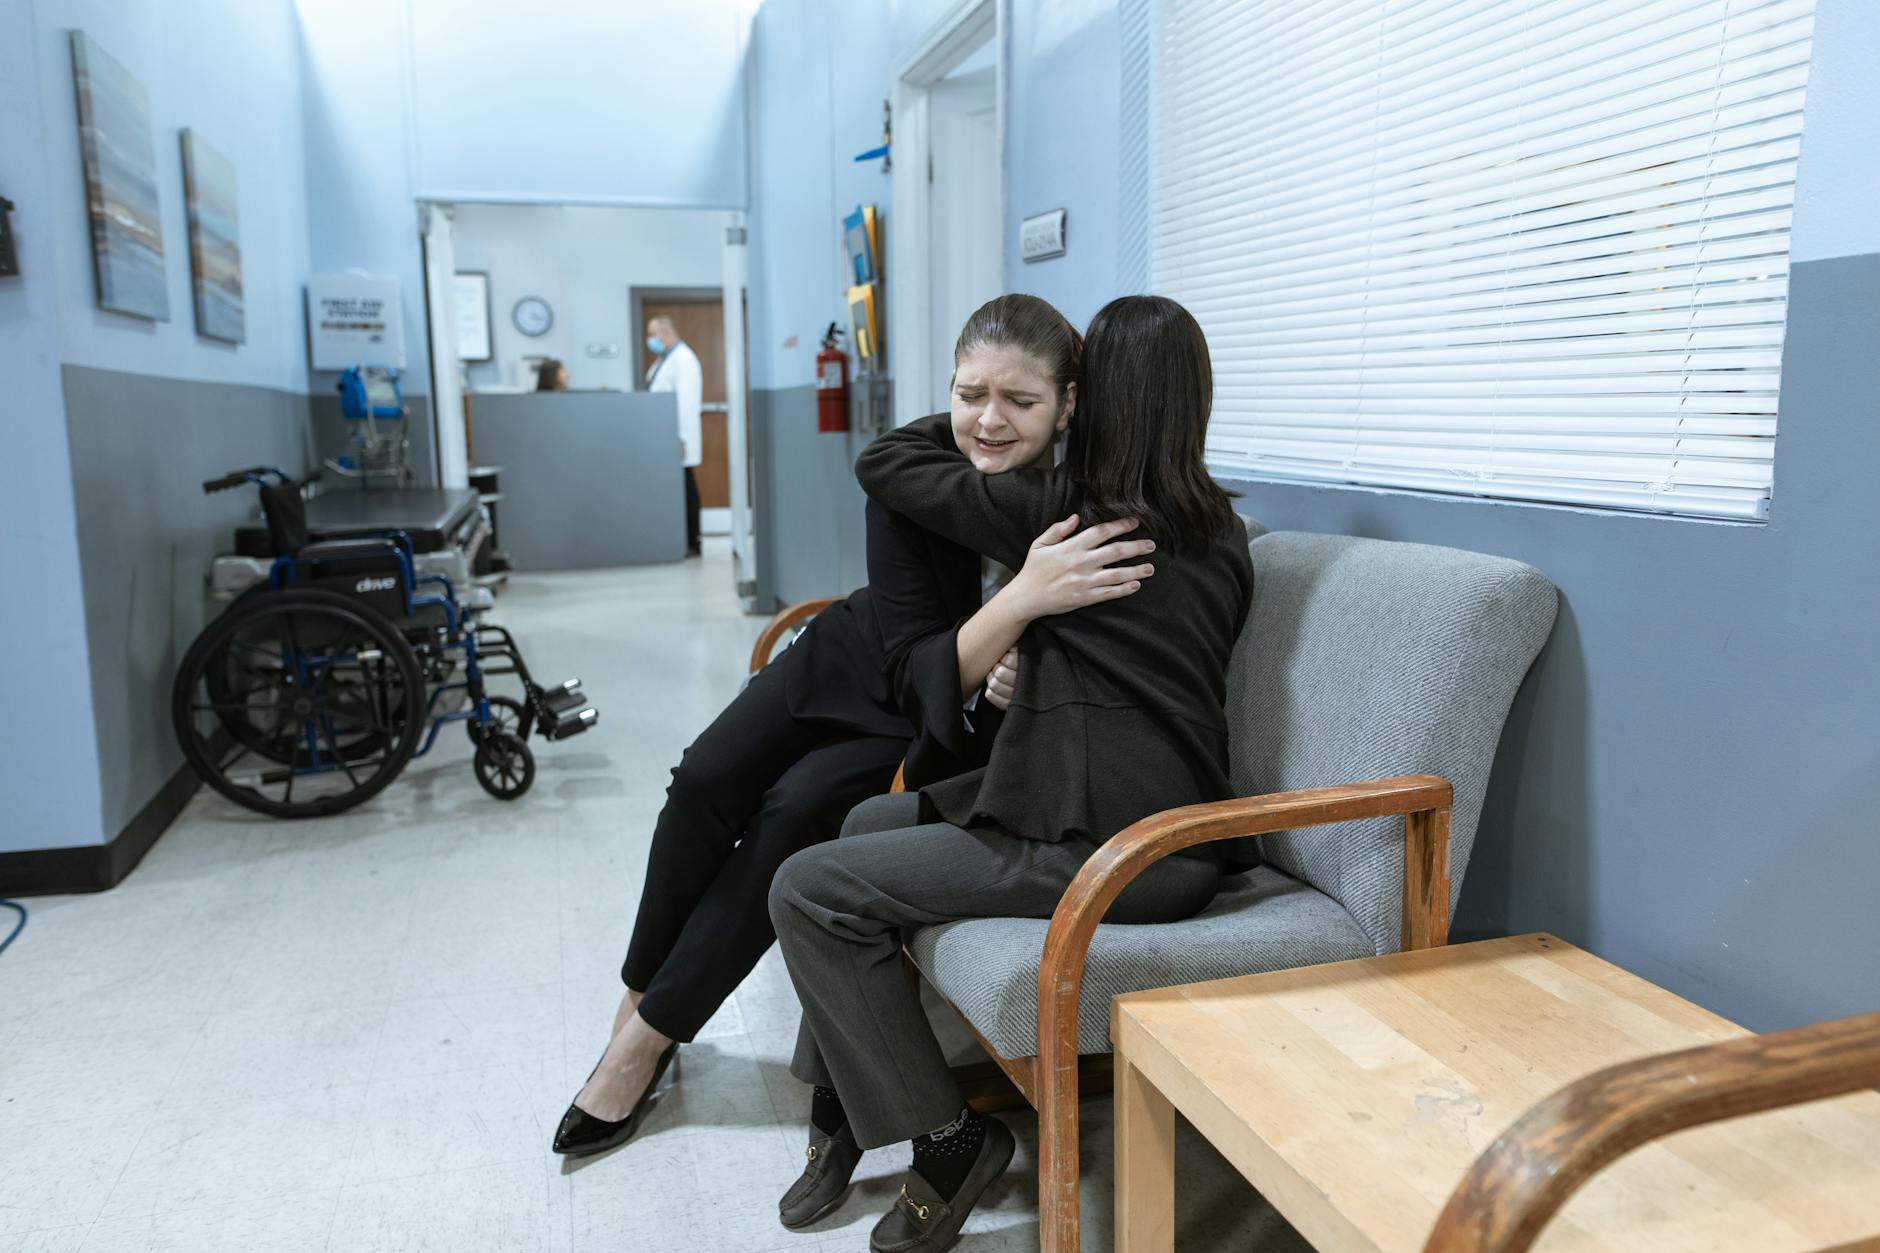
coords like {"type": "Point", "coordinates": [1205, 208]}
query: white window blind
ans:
{"type": "Point", "coordinates": [1533, 249]}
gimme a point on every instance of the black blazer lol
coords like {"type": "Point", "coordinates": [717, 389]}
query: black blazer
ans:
{"type": "Point", "coordinates": [1120, 707]}
{"type": "Point", "coordinates": [885, 661]}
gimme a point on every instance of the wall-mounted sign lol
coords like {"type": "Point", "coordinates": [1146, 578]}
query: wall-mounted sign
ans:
{"type": "Point", "coordinates": [354, 319]}
{"type": "Point", "coordinates": [606, 352]}
{"type": "Point", "coordinates": [1042, 236]}
{"type": "Point", "coordinates": [470, 296]}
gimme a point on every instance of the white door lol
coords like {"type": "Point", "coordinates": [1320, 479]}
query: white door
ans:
{"type": "Point", "coordinates": [965, 268]}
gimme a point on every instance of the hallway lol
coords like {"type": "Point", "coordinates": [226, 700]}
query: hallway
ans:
{"type": "Point", "coordinates": [358, 1033]}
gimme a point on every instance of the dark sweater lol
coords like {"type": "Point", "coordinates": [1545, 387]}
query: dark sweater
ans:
{"type": "Point", "coordinates": [885, 661]}
{"type": "Point", "coordinates": [1120, 707]}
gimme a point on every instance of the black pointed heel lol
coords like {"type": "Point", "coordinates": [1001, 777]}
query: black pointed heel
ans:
{"type": "Point", "coordinates": [581, 1133]}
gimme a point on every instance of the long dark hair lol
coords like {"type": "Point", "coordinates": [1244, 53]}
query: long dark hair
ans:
{"type": "Point", "coordinates": [545, 374]}
{"type": "Point", "coordinates": [1031, 326]}
{"type": "Point", "coordinates": [1137, 443]}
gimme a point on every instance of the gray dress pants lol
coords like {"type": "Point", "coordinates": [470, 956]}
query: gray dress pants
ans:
{"type": "Point", "coordinates": [840, 908]}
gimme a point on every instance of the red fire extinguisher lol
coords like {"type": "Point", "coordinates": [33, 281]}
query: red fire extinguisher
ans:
{"type": "Point", "coordinates": [832, 384]}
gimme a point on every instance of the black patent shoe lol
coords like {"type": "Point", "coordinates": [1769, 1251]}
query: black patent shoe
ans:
{"type": "Point", "coordinates": [921, 1221]}
{"type": "Point", "coordinates": [825, 1177]}
{"type": "Point", "coordinates": [581, 1133]}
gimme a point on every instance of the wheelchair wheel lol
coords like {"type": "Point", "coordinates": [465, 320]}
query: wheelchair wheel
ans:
{"type": "Point", "coordinates": [507, 715]}
{"type": "Point", "coordinates": [504, 765]}
{"type": "Point", "coordinates": [247, 691]}
{"type": "Point", "coordinates": [298, 703]}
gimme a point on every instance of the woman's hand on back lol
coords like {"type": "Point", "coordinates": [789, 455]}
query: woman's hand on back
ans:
{"type": "Point", "coordinates": [1002, 682]}
{"type": "Point", "coordinates": [1067, 569]}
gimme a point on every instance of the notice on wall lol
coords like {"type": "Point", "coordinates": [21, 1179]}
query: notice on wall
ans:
{"type": "Point", "coordinates": [470, 302]}
{"type": "Point", "coordinates": [354, 319]}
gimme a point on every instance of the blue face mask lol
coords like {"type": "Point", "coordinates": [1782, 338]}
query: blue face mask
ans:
{"type": "Point", "coordinates": [654, 346]}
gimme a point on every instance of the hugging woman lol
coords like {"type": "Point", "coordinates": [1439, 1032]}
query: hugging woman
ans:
{"type": "Point", "coordinates": [1118, 713]}
{"type": "Point", "coordinates": [894, 671]}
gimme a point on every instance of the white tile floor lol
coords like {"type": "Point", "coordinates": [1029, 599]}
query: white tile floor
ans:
{"type": "Point", "coordinates": [359, 1033]}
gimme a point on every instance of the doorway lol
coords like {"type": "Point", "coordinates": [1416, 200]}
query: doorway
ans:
{"type": "Point", "coordinates": [698, 315]}
{"type": "Point", "coordinates": [964, 266]}
{"type": "Point", "coordinates": [947, 245]}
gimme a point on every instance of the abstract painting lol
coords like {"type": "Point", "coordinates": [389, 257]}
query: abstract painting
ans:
{"type": "Point", "coordinates": [120, 183]}
{"type": "Point", "coordinates": [215, 244]}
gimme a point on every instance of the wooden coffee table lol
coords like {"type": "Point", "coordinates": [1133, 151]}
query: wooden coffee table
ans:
{"type": "Point", "coordinates": [1355, 1096]}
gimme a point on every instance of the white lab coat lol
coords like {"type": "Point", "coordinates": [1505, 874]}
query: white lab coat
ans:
{"type": "Point", "coordinates": [678, 372]}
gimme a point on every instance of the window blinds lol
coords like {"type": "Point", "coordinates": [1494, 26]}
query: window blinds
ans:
{"type": "Point", "coordinates": [1533, 249]}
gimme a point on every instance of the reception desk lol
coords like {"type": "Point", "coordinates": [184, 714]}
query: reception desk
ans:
{"type": "Point", "coordinates": [590, 479]}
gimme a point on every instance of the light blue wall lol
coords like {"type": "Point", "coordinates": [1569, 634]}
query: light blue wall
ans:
{"type": "Point", "coordinates": [356, 114]}
{"type": "Point", "coordinates": [1837, 191]}
{"type": "Point", "coordinates": [243, 105]}
{"type": "Point", "coordinates": [817, 80]}
{"type": "Point", "coordinates": [49, 757]}
{"type": "Point", "coordinates": [102, 528]}
{"type": "Point", "coordinates": [1061, 148]}
{"type": "Point", "coordinates": [607, 103]}
{"type": "Point", "coordinates": [583, 262]}
{"type": "Point", "coordinates": [1061, 152]}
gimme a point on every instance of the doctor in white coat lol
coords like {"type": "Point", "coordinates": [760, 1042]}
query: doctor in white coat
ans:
{"type": "Point", "coordinates": [677, 371]}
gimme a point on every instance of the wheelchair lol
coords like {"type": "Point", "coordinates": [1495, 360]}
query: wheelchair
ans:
{"type": "Point", "coordinates": [315, 688]}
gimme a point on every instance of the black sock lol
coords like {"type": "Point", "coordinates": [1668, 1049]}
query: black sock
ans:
{"type": "Point", "coordinates": [825, 1110]}
{"type": "Point", "coordinates": [945, 1156]}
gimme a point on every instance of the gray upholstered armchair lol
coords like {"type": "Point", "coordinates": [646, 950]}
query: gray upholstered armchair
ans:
{"type": "Point", "coordinates": [1367, 696]}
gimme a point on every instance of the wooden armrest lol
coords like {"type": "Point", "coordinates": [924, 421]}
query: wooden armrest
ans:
{"type": "Point", "coordinates": [785, 619]}
{"type": "Point", "coordinates": [1523, 1179]}
{"type": "Point", "coordinates": [1423, 799]}
{"type": "Point", "coordinates": [1142, 844]}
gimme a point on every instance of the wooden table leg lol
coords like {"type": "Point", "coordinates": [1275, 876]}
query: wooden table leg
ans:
{"type": "Point", "coordinates": [1145, 1164]}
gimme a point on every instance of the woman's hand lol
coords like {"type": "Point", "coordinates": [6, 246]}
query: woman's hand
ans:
{"type": "Point", "coordinates": [1002, 682]}
{"type": "Point", "coordinates": [1067, 570]}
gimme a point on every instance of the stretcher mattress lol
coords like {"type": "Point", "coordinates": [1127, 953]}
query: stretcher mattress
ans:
{"type": "Point", "coordinates": [434, 517]}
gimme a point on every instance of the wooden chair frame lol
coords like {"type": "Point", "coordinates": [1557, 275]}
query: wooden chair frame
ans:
{"type": "Point", "coordinates": [1525, 1177]}
{"type": "Point", "coordinates": [785, 620]}
{"type": "Point", "coordinates": [1052, 1080]}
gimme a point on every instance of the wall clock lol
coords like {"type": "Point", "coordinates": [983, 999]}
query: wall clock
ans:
{"type": "Point", "coordinates": [532, 316]}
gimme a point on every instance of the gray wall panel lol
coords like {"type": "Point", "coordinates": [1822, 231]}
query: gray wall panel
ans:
{"type": "Point", "coordinates": [811, 534]}
{"type": "Point", "coordinates": [589, 479]}
{"type": "Point", "coordinates": [141, 447]}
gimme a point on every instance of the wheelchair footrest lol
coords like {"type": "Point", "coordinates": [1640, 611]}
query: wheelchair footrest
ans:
{"type": "Point", "coordinates": [565, 710]}
{"type": "Point", "coordinates": [571, 722]}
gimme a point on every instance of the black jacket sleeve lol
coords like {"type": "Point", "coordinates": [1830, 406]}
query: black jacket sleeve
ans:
{"type": "Point", "coordinates": [948, 740]}
{"type": "Point", "coordinates": [918, 611]}
{"type": "Point", "coordinates": [917, 470]}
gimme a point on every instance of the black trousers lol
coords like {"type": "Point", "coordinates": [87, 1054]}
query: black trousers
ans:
{"type": "Point", "coordinates": [691, 510]}
{"type": "Point", "coordinates": [755, 787]}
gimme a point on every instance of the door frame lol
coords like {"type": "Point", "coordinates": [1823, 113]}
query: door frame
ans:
{"type": "Point", "coordinates": [636, 309]}
{"type": "Point", "coordinates": [947, 44]}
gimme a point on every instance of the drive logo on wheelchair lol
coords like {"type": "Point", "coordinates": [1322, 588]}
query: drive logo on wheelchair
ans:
{"type": "Point", "coordinates": [386, 584]}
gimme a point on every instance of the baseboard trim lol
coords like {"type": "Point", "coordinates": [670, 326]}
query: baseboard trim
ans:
{"type": "Point", "coordinates": [97, 867]}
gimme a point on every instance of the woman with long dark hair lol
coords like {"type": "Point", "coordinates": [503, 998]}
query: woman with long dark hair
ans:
{"type": "Point", "coordinates": [892, 672]}
{"type": "Point", "coordinates": [1118, 713]}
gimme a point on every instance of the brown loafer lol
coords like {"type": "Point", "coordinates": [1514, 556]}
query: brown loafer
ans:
{"type": "Point", "coordinates": [825, 1177]}
{"type": "Point", "coordinates": [921, 1222]}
